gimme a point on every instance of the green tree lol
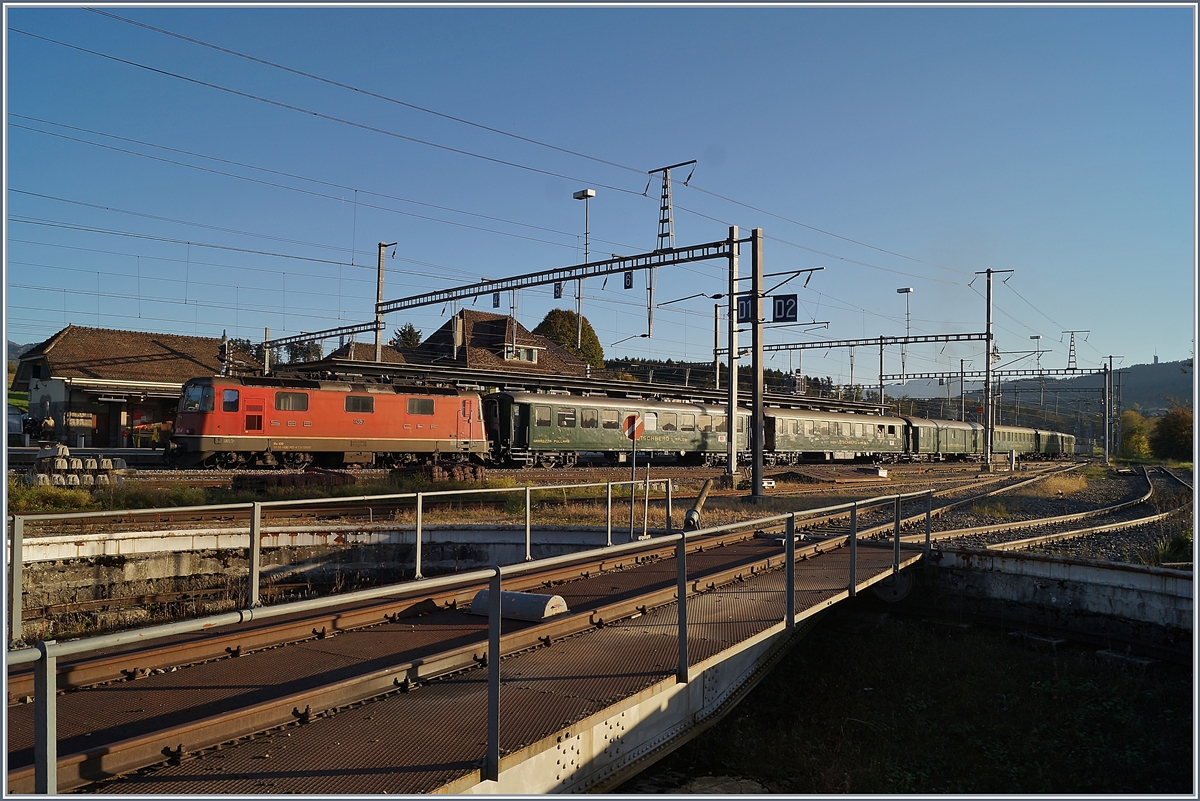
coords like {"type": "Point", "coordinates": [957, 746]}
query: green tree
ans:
{"type": "Point", "coordinates": [1135, 435]}
{"type": "Point", "coordinates": [1172, 437]}
{"type": "Point", "coordinates": [303, 351]}
{"type": "Point", "coordinates": [406, 336]}
{"type": "Point", "coordinates": [559, 326]}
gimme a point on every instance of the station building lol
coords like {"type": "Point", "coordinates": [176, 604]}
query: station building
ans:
{"type": "Point", "coordinates": [101, 385]}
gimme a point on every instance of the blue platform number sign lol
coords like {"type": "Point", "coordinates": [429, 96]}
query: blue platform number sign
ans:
{"type": "Point", "coordinates": [784, 309]}
{"type": "Point", "coordinates": [557, 290]}
{"type": "Point", "coordinates": [745, 310]}
{"type": "Point", "coordinates": [629, 280]}
{"type": "Point", "coordinates": [495, 300]}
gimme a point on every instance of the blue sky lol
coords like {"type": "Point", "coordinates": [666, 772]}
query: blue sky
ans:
{"type": "Point", "coordinates": [893, 146]}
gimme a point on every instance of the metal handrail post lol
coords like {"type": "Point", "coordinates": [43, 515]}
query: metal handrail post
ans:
{"type": "Point", "coordinates": [681, 672]}
{"type": "Point", "coordinates": [896, 537]}
{"type": "Point", "coordinates": [16, 630]}
{"type": "Point", "coordinates": [420, 510]}
{"type": "Point", "coordinates": [853, 548]}
{"type": "Point", "coordinates": [491, 766]}
{"type": "Point", "coordinates": [45, 721]}
{"type": "Point", "coordinates": [668, 506]}
{"type": "Point", "coordinates": [928, 520]}
{"type": "Point", "coordinates": [646, 508]}
{"type": "Point", "coordinates": [528, 528]}
{"type": "Point", "coordinates": [255, 555]}
{"type": "Point", "coordinates": [608, 515]}
{"type": "Point", "coordinates": [790, 551]}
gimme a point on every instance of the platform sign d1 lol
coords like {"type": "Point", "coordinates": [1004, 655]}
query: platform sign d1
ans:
{"type": "Point", "coordinates": [635, 426]}
{"type": "Point", "coordinates": [783, 309]}
{"type": "Point", "coordinates": [495, 300]}
{"type": "Point", "coordinates": [629, 280]}
{"type": "Point", "coordinates": [557, 290]}
{"type": "Point", "coordinates": [745, 310]}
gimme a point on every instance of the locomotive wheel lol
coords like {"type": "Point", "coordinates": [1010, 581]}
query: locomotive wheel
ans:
{"type": "Point", "coordinates": [296, 461]}
{"type": "Point", "coordinates": [227, 460]}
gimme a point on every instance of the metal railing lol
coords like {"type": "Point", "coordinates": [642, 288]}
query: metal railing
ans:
{"type": "Point", "coordinates": [45, 654]}
{"type": "Point", "coordinates": [255, 530]}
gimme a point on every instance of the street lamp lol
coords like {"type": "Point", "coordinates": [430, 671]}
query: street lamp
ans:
{"type": "Point", "coordinates": [626, 339]}
{"type": "Point", "coordinates": [905, 291]}
{"type": "Point", "coordinates": [586, 196]}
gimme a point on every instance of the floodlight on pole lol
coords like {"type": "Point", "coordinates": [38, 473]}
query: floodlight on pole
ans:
{"type": "Point", "coordinates": [905, 291]}
{"type": "Point", "coordinates": [586, 196]}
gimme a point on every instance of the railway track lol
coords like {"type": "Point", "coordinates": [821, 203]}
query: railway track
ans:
{"type": "Point", "coordinates": [270, 678]}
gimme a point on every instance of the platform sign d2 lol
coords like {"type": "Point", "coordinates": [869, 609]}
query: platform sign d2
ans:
{"type": "Point", "coordinates": [557, 290]}
{"type": "Point", "coordinates": [783, 308]}
{"type": "Point", "coordinates": [495, 300]}
{"type": "Point", "coordinates": [635, 426]}
{"type": "Point", "coordinates": [745, 310]}
{"type": "Point", "coordinates": [629, 280]}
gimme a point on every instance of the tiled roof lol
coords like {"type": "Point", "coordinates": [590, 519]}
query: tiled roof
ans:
{"type": "Point", "coordinates": [365, 352]}
{"type": "Point", "coordinates": [485, 336]}
{"type": "Point", "coordinates": [79, 352]}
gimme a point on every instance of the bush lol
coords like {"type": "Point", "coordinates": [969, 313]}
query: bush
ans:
{"type": "Point", "coordinates": [1172, 437]}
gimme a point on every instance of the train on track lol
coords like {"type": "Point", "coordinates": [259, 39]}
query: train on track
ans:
{"type": "Point", "coordinates": [286, 422]}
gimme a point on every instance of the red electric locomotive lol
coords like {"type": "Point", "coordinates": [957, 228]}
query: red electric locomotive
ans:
{"type": "Point", "coordinates": [233, 422]}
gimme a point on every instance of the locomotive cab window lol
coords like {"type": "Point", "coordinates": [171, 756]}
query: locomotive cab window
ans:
{"type": "Point", "coordinates": [198, 398]}
{"type": "Point", "coordinates": [589, 419]}
{"type": "Point", "coordinates": [609, 418]}
{"type": "Point", "coordinates": [360, 403]}
{"type": "Point", "coordinates": [291, 401]}
{"type": "Point", "coordinates": [541, 416]}
{"type": "Point", "coordinates": [566, 417]}
{"type": "Point", "coordinates": [229, 400]}
{"type": "Point", "coordinates": [422, 406]}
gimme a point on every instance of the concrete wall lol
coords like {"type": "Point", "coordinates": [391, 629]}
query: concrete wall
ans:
{"type": "Point", "coordinates": [1128, 603]}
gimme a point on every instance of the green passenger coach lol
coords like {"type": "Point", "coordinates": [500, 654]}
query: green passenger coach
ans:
{"type": "Point", "coordinates": [552, 430]}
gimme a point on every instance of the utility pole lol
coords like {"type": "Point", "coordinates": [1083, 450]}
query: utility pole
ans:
{"type": "Point", "coordinates": [757, 422]}
{"type": "Point", "coordinates": [586, 196]}
{"type": "Point", "coordinates": [383, 246]}
{"type": "Point", "coordinates": [987, 369]}
{"type": "Point", "coordinates": [716, 345]}
{"type": "Point", "coordinates": [962, 390]}
{"type": "Point", "coordinates": [666, 232]}
{"type": "Point", "coordinates": [731, 411]}
{"type": "Point", "coordinates": [882, 408]}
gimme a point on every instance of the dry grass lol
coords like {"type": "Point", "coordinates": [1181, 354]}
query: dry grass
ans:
{"type": "Point", "coordinates": [1054, 486]}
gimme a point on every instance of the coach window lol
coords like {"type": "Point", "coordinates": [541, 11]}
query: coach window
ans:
{"type": "Point", "coordinates": [741, 424]}
{"type": "Point", "coordinates": [541, 416]}
{"type": "Point", "coordinates": [706, 423]}
{"type": "Point", "coordinates": [845, 429]}
{"type": "Point", "coordinates": [589, 419]}
{"type": "Point", "coordinates": [858, 429]}
{"type": "Point", "coordinates": [566, 417]}
{"type": "Point", "coordinates": [229, 400]}
{"type": "Point", "coordinates": [891, 431]}
{"type": "Point", "coordinates": [609, 418]}
{"type": "Point", "coordinates": [650, 419]}
{"type": "Point", "coordinates": [688, 423]}
{"type": "Point", "coordinates": [809, 428]}
{"type": "Point", "coordinates": [824, 428]}
{"type": "Point", "coordinates": [670, 421]}
{"type": "Point", "coordinates": [360, 403]}
{"type": "Point", "coordinates": [720, 424]}
{"type": "Point", "coordinates": [291, 401]}
{"type": "Point", "coordinates": [422, 406]}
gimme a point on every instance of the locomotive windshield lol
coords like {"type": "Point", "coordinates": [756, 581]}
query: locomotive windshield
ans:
{"type": "Point", "coordinates": [197, 398]}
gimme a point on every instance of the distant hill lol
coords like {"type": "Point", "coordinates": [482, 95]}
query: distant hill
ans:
{"type": "Point", "coordinates": [15, 350]}
{"type": "Point", "coordinates": [1150, 388]}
